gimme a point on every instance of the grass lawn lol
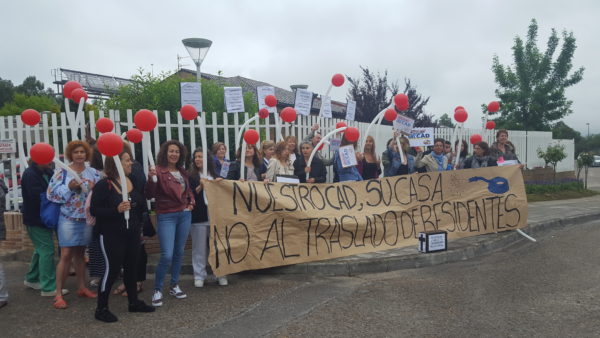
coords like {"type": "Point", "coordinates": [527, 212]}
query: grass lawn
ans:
{"type": "Point", "coordinates": [560, 195]}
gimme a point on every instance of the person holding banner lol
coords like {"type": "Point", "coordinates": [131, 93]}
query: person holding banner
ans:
{"type": "Point", "coordinates": [317, 171]}
{"type": "Point", "coordinates": [267, 148]}
{"type": "Point", "coordinates": [369, 167]}
{"type": "Point", "coordinates": [73, 233]}
{"type": "Point", "coordinates": [481, 157]}
{"type": "Point", "coordinates": [462, 155]}
{"type": "Point", "coordinates": [221, 162]}
{"type": "Point", "coordinates": [292, 144]}
{"type": "Point", "coordinates": [434, 161]}
{"type": "Point", "coordinates": [200, 224]}
{"type": "Point", "coordinates": [314, 137]}
{"type": "Point", "coordinates": [349, 172]}
{"type": "Point", "coordinates": [409, 167]}
{"type": "Point", "coordinates": [280, 163]}
{"type": "Point", "coordinates": [119, 239]}
{"type": "Point", "coordinates": [174, 203]}
{"type": "Point", "coordinates": [253, 166]}
{"type": "Point", "coordinates": [391, 159]}
{"type": "Point", "coordinates": [503, 150]}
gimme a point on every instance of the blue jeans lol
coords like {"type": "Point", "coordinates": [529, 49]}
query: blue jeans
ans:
{"type": "Point", "coordinates": [173, 230]}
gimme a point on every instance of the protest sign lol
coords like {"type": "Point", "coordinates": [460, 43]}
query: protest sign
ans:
{"type": "Point", "coordinates": [191, 93]}
{"type": "Point", "coordinates": [421, 137]}
{"type": "Point", "coordinates": [303, 101]}
{"type": "Point", "coordinates": [8, 146]}
{"type": "Point", "coordinates": [325, 107]}
{"type": "Point", "coordinates": [347, 156]}
{"type": "Point", "coordinates": [350, 110]}
{"type": "Point", "coordinates": [404, 124]}
{"type": "Point", "coordinates": [257, 225]}
{"type": "Point", "coordinates": [261, 93]}
{"type": "Point", "coordinates": [234, 100]}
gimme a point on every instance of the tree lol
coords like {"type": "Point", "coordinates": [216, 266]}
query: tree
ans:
{"type": "Point", "coordinates": [21, 102]}
{"type": "Point", "coordinates": [31, 86]}
{"type": "Point", "coordinates": [373, 93]}
{"type": "Point", "coordinates": [7, 91]}
{"type": "Point", "coordinates": [445, 121]}
{"type": "Point", "coordinates": [552, 155]}
{"type": "Point", "coordinates": [533, 91]}
{"type": "Point", "coordinates": [584, 161]}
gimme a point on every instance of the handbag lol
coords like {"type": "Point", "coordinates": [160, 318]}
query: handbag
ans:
{"type": "Point", "coordinates": [50, 211]}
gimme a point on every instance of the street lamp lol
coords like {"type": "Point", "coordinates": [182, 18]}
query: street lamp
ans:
{"type": "Point", "coordinates": [197, 48]}
{"type": "Point", "coordinates": [588, 124]}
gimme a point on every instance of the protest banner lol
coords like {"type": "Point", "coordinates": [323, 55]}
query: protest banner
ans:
{"type": "Point", "coordinates": [303, 101]}
{"type": "Point", "coordinates": [403, 124]}
{"type": "Point", "coordinates": [257, 225]}
{"type": "Point", "coordinates": [421, 137]}
{"type": "Point", "coordinates": [350, 110]}
{"type": "Point", "coordinates": [234, 99]}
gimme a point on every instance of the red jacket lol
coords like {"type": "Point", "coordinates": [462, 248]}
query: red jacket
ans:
{"type": "Point", "coordinates": [167, 192]}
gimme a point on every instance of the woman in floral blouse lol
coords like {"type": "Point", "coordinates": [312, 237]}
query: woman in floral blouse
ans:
{"type": "Point", "coordinates": [73, 233]}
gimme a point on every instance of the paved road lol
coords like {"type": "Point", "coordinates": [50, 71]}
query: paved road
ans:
{"type": "Point", "coordinates": [550, 288]}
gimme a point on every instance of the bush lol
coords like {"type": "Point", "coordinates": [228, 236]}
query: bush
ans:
{"type": "Point", "coordinates": [553, 188]}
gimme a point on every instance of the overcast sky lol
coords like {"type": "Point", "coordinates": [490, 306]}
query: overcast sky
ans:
{"type": "Point", "coordinates": [444, 47]}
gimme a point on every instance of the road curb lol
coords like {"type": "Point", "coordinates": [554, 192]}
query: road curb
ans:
{"type": "Point", "coordinates": [476, 246]}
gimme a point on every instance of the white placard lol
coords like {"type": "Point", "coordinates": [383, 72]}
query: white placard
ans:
{"type": "Point", "coordinates": [191, 93]}
{"type": "Point", "coordinates": [350, 110]}
{"type": "Point", "coordinates": [8, 146]}
{"type": "Point", "coordinates": [224, 169]}
{"type": "Point", "coordinates": [404, 124]}
{"type": "Point", "coordinates": [325, 107]}
{"type": "Point", "coordinates": [421, 137]}
{"type": "Point", "coordinates": [437, 242]}
{"type": "Point", "coordinates": [234, 100]}
{"type": "Point", "coordinates": [261, 93]}
{"type": "Point", "coordinates": [347, 156]}
{"type": "Point", "coordinates": [303, 101]}
{"type": "Point", "coordinates": [287, 179]}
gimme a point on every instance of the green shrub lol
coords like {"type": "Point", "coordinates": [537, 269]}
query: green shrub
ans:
{"type": "Point", "coordinates": [553, 188]}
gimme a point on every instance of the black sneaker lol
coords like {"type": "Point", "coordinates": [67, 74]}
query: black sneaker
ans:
{"type": "Point", "coordinates": [105, 315]}
{"type": "Point", "coordinates": [140, 306]}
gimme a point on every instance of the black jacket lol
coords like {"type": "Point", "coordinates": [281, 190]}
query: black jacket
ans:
{"type": "Point", "coordinates": [234, 171]}
{"type": "Point", "coordinates": [467, 164]}
{"type": "Point", "coordinates": [106, 199]}
{"type": "Point", "coordinates": [317, 170]}
{"type": "Point", "coordinates": [200, 212]}
{"type": "Point", "coordinates": [33, 184]}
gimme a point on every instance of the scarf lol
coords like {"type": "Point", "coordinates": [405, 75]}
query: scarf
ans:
{"type": "Point", "coordinates": [440, 160]}
{"type": "Point", "coordinates": [479, 162]}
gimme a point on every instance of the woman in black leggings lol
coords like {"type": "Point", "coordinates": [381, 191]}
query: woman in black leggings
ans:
{"type": "Point", "coordinates": [119, 241]}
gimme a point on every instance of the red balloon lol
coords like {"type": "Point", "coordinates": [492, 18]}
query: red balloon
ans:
{"type": "Point", "coordinates": [263, 113]}
{"type": "Point", "coordinates": [77, 94]}
{"type": "Point", "coordinates": [460, 115]}
{"type": "Point", "coordinates": [390, 115]}
{"type": "Point", "coordinates": [401, 101]}
{"type": "Point", "coordinates": [145, 120]}
{"type": "Point", "coordinates": [42, 153]}
{"type": "Point", "coordinates": [69, 87]}
{"type": "Point", "coordinates": [134, 135]}
{"type": "Point", "coordinates": [490, 125]}
{"type": "Point", "coordinates": [288, 114]}
{"type": "Point", "coordinates": [270, 100]}
{"type": "Point", "coordinates": [251, 136]}
{"type": "Point", "coordinates": [475, 138]}
{"type": "Point", "coordinates": [493, 106]}
{"type": "Point", "coordinates": [30, 117]}
{"type": "Point", "coordinates": [104, 125]}
{"type": "Point", "coordinates": [458, 108]}
{"type": "Point", "coordinates": [338, 80]}
{"type": "Point", "coordinates": [110, 144]}
{"type": "Point", "coordinates": [340, 125]}
{"type": "Point", "coordinates": [188, 112]}
{"type": "Point", "coordinates": [351, 134]}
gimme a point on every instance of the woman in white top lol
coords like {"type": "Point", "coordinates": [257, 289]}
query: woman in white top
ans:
{"type": "Point", "coordinates": [280, 163]}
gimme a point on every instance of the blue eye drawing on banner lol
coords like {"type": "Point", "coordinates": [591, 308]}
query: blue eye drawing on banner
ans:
{"type": "Point", "coordinates": [496, 185]}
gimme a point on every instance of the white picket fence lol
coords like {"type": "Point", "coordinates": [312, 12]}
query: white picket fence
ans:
{"type": "Point", "coordinates": [54, 129]}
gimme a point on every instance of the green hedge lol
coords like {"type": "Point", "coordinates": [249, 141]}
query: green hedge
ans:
{"type": "Point", "coordinates": [552, 188]}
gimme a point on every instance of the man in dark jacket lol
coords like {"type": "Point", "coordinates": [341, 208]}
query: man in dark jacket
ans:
{"type": "Point", "coordinates": [42, 273]}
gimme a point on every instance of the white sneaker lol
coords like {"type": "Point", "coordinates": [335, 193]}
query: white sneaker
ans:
{"type": "Point", "coordinates": [223, 281]}
{"type": "Point", "coordinates": [157, 298]}
{"type": "Point", "coordinates": [176, 292]}
{"type": "Point", "coordinates": [53, 293]}
{"type": "Point", "coordinates": [35, 286]}
{"type": "Point", "coordinates": [199, 283]}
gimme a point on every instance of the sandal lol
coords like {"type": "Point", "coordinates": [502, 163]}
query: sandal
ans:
{"type": "Point", "coordinates": [120, 290]}
{"type": "Point", "coordinates": [85, 292]}
{"type": "Point", "coordinates": [59, 303]}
